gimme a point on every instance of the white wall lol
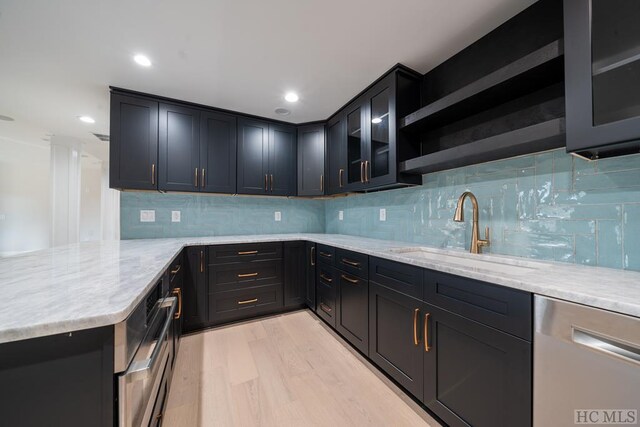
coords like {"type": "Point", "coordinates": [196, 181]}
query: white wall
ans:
{"type": "Point", "coordinates": [24, 197]}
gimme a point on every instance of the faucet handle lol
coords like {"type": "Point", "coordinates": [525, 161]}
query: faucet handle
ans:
{"type": "Point", "coordinates": [485, 241]}
{"type": "Point", "coordinates": [486, 233]}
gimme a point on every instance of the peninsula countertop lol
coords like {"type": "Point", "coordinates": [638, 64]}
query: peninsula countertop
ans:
{"type": "Point", "coordinates": [93, 284]}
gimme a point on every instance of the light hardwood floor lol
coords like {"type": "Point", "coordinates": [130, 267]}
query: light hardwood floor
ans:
{"type": "Point", "coordinates": [285, 370]}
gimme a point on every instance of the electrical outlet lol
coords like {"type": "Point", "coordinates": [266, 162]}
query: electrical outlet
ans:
{"type": "Point", "coordinates": [175, 216]}
{"type": "Point", "coordinates": [383, 214]}
{"type": "Point", "coordinates": [278, 216]}
{"type": "Point", "coordinates": [147, 216]}
{"type": "Point", "coordinates": [340, 215]}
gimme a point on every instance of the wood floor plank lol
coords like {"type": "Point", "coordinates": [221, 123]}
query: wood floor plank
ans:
{"type": "Point", "coordinates": [285, 370]}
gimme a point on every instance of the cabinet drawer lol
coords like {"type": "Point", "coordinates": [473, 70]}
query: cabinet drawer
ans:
{"type": "Point", "coordinates": [245, 252]}
{"type": "Point", "coordinates": [176, 271]}
{"type": "Point", "coordinates": [508, 310]}
{"type": "Point", "coordinates": [326, 299]}
{"type": "Point", "coordinates": [400, 277]}
{"type": "Point", "coordinates": [326, 254]}
{"type": "Point", "coordinates": [244, 303]}
{"type": "Point", "coordinates": [226, 277]}
{"type": "Point", "coordinates": [325, 274]}
{"type": "Point", "coordinates": [352, 262]}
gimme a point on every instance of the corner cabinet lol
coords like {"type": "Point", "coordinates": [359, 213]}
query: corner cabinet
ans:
{"type": "Point", "coordinates": [311, 148]}
{"type": "Point", "coordinates": [295, 274]}
{"type": "Point", "coordinates": [266, 158]}
{"type": "Point", "coordinates": [133, 147]}
{"type": "Point", "coordinates": [365, 145]}
{"type": "Point", "coordinates": [602, 65]}
{"type": "Point", "coordinates": [195, 289]}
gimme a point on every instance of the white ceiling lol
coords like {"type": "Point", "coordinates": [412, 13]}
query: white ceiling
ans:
{"type": "Point", "coordinates": [57, 58]}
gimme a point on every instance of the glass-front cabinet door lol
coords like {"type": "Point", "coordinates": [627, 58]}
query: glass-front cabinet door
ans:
{"type": "Point", "coordinates": [356, 146]}
{"type": "Point", "coordinates": [382, 130]}
{"type": "Point", "coordinates": [602, 72]}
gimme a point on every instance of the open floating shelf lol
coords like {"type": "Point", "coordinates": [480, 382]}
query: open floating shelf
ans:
{"type": "Point", "coordinates": [522, 76]}
{"type": "Point", "coordinates": [538, 137]}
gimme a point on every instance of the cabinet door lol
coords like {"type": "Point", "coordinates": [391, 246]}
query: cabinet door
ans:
{"type": "Point", "coordinates": [311, 180]}
{"type": "Point", "coordinates": [352, 309]}
{"type": "Point", "coordinates": [475, 375]}
{"type": "Point", "coordinates": [133, 149]}
{"type": "Point", "coordinates": [217, 152]}
{"type": "Point", "coordinates": [195, 292]}
{"type": "Point", "coordinates": [295, 262]}
{"type": "Point", "coordinates": [602, 64]}
{"type": "Point", "coordinates": [395, 342]}
{"type": "Point", "coordinates": [336, 154]}
{"type": "Point", "coordinates": [310, 288]}
{"type": "Point", "coordinates": [253, 148]}
{"type": "Point", "coordinates": [178, 148]}
{"type": "Point", "coordinates": [326, 293]}
{"type": "Point", "coordinates": [381, 157]}
{"type": "Point", "coordinates": [356, 146]}
{"type": "Point", "coordinates": [282, 160]}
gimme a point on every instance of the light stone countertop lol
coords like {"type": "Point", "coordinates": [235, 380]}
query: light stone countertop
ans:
{"type": "Point", "coordinates": [95, 284]}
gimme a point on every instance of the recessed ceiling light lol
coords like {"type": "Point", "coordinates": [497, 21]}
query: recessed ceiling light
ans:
{"type": "Point", "coordinates": [283, 111]}
{"type": "Point", "coordinates": [376, 120]}
{"type": "Point", "coordinates": [86, 119]}
{"type": "Point", "coordinates": [6, 118]}
{"type": "Point", "coordinates": [291, 97]}
{"type": "Point", "coordinates": [142, 60]}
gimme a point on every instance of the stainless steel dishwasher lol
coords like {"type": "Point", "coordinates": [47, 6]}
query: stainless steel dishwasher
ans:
{"type": "Point", "coordinates": [585, 360]}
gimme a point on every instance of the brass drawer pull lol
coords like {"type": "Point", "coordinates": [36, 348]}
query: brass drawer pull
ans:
{"type": "Point", "coordinates": [249, 301]}
{"type": "Point", "coordinates": [321, 183]}
{"type": "Point", "coordinates": [202, 181]}
{"type": "Point", "coordinates": [416, 312]}
{"type": "Point", "coordinates": [176, 270]}
{"type": "Point", "coordinates": [366, 171]}
{"type": "Point", "coordinates": [325, 308]}
{"type": "Point", "coordinates": [328, 279]}
{"type": "Point", "coordinates": [201, 261]}
{"type": "Point", "coordinates": [266, 182]}
{"type": "Point", "coordinates": [349, 279]}
{"type": "Point", "coordinates": [325, 254]}
{"type": "Point", "coordinates": [271, 182]}
{"type": "Point", "coordinates": [247, 252]}
{"type": "Point", "coordinates": [195, 177]}
{"type": "Point", "coordinates": [247, 275]}
{"type": "Point", "coordinates": [426, 332]}
{"type": "Point", "coordinates": [178, 292]}
{"type": "Point", "coordinates": [153, 174]}
{"type": "Point", "coordinates": [353, 263]}
{"type": "Point", "coordinates": [340, 179]}
{"type": "Point", "coordinates": [362, 172]}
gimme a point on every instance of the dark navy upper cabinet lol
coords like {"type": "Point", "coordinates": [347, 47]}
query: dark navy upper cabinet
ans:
{"type": "Point", "coordinates": [602, 64]}
{"type": "Point", "coordinates": [336, 154]}
{"type": "Point", "coordinates": [266, 158]}
{"type": "Point", "coordinates": [217, 152]}
{"type": "Point", "coordinates": [133, 147]}
{"type": "Point", "coordinates": [311, 148]}
{"type": "Point", "coordinates": [178, 148]}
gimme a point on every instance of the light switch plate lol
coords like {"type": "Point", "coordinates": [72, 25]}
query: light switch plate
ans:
{"type": "Point", "coordinates": [147, 216]}
{"type": "Point", "coordinates": [175, 216]}
{"type": "Point", "coordinates": [340, 215]}
{"type": "Point", "coordinates": [383, 214]}
{"type": "Point", "coordinates": [278, 216]}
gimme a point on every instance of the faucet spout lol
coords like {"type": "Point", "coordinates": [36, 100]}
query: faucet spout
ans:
{"type": "Point", "coordinates": [476, 242]}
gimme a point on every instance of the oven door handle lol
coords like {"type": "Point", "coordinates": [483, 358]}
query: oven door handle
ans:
{"type": "Point", "coordinates": [143, 368]}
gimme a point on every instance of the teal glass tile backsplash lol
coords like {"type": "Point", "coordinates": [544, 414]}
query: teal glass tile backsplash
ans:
{"type": "Point", "coordinates": [549, 206]}
{"type": "Point", "coordinates": [217, 215]}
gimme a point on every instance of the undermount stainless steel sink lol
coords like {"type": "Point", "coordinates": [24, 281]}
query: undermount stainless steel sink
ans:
{"type": "Point", "coordinates": [488, 263]}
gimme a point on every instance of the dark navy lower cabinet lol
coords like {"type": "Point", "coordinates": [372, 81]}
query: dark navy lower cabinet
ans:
{"type": "Point", "coordinates": [310, 282]}
{"type": "Point", "coordinates": [295, 274]}
{"type": "Point", "coordinates": [475, 375]}
{"type": "Point", "coordinates": [195, 289]}
{"type": "Point", "coordinates": [352, 309]}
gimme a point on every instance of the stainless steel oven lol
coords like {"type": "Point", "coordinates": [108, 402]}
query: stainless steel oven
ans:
{"type": "Point", "coordinates": [144, 346]}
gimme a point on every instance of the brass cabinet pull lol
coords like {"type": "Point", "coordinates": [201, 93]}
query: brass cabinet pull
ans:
{"type": "Point", "coordinates": [201, 261]}
{"type": "Point", "coordinates": [153, 174]}
{"type": "Point", "coordinates": [247, 275]}
{"type": "Point", "coordinates": [202, 181]}
{"type": "Point", "coordinates": [312, 255]}
{"type": "Point", "coordinates": [271, 182]}
{"type": "Point", "coordinates": [195, 177]}
{"type": "Point", "coordinates": [266, 182]}
{"type": "Point", "coordinates": [178, 293]}
{"type": "Point", "coordinates": [416, 312]}
{"type": "Point", "coordinates": [248, 301]}
{"type": "Point", "coordinates": [325, 308]}
{"type": "Point", "coordinates": [349, 279]}
{"type": "Point", "coordinates": [340, 174]}
{"type": "Point", "coordinates": [353, 263]}
{"type": "Point", "coordinates": [176, 270]}
{"type": "Point", "coordinates": [247, 252]}
{"type": "Point", "coordinates": [325, 254]}
{"type": "Point", "coordinates": [426, 332]}
{"type": "Point", "coordinates": [366, 171]}
{"type": "Point", "coordinates": [321, 182]}
{"type": "Point", "coordinates": [328, 279]}
{"type": "Point", "coordinates": [362, 172]}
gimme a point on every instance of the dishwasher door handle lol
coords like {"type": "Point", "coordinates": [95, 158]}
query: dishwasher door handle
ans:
{"type": "Point", "coordinates": [607, 345]}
